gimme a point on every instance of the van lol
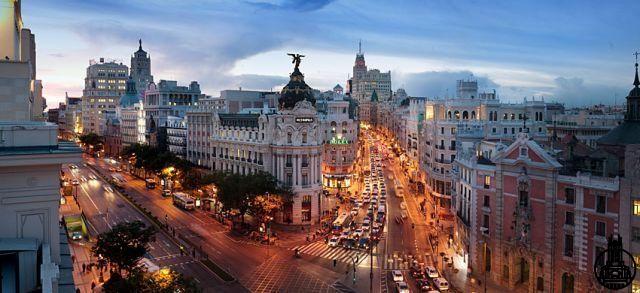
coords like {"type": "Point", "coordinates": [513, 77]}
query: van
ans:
{"type": "Point", "coordinates": [441, 284]}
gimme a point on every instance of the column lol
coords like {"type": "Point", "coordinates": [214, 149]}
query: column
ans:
{"type": "Point", "coordinates": [297, 170]}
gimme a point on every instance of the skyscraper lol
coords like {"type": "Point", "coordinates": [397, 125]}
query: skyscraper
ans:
{"type": "Point", "coordinates": [364, 82]}
{"type": "Point", "coordinates": [141, 68]}
{"type": "Point", "coordinates": [104, 84]}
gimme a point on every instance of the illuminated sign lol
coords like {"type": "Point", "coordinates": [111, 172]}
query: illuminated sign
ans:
{"type": "Point", "coordinates": [336, 140]}
{"type": "Point", "coordinates": [304, 119]}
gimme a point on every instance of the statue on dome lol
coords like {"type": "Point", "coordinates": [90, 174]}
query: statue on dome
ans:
{"type": "Point", "coordinates": [296, 59]}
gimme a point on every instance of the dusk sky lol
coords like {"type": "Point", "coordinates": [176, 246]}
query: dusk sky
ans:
{"type": "Point", "coordinates": [576, 52]}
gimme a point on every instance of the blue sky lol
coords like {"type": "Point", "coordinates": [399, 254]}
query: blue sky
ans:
{"type": "Point", "coordinates": [577, 52]}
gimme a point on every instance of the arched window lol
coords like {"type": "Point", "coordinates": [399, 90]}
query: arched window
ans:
{"type": "Point", "coordinates": [465, 115]}
{"type": "Point", "coordinates": [457, 114]}
{"type": "Point", "coordinates": [567, 283]}
{"type": "Point", "coordinates": [513, 116]}
{"type": "Point", "coordinates": [505, 116]}
{"type": "Point", "coordinates": [344, 127]}
{"type": "Point", "coordinates": [473, 114]}
{"type": "Point", "coordinates": [449, 114]}
{"type": "Point", "coordinates": [304, 137]}
{"type": "Point", "coordinates": [540, 284]}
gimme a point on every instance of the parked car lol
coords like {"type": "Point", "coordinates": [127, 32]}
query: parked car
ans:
{"type": "Point", "coordinates": [402, 287]}
{"type": "Point", "coordinates": [424, 285]}
{"type": "Point", "coordinates": [397, 276]}
{"type": "Point", "coordinates": [441, 284]}
{"type": "Point", "coordinates": [75, 182]}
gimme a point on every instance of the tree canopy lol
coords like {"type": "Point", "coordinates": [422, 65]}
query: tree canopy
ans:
{"type": "Point", "coordinates": [124, 245]}
{"type": "Point", "coordinates": [91, 139]}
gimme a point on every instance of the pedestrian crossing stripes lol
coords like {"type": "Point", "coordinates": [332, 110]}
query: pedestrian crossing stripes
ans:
{"type": "Point", "coordinates": [340, 254]}
{"type": "Point", "coordinates": [394, 263]}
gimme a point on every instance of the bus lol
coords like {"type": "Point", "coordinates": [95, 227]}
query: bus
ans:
{"type": "Point", "coordinates": [150, 183]}
{"type": "Point", "coordinates": [341, 222]}
{"type": "Point", "coordinates": [183, 201]}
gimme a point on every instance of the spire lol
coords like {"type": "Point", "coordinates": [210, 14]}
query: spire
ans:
{"type": "Point", "coordinates": [636, 82]}
{"type": "Point", "coordinates": [360, 47]}
{"type": "Point", "coordinates": [140, 44]}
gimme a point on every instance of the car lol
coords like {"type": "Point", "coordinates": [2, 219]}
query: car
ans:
{"type": "Point", "coordinates": [112, 169]}
{"type": "Point", "coordinates": [345, 234]}
{"type": "Point", "coordinates": [424, 285]}
{"type": "Point", "coordinates": [93, 177]}
{"type": "Point", "coordinates": [354, 211]}
{"type": "Point", "coordinates": [83, 179]}
{"type": "Point", "coordinates": [77, 235]}
{"type": "Point", "coordinates": [73, 167]}
{"type": "Point", "coordinates": [432, 272]}
{"type": "Point", "coordinates": [333, 242]}
{"type": "Point", "coordinates": [397, 276]}
{"type": "Point", "coordinates": [118, 169]}
{"type": "Point", "coordinates": [75, 182]}
{"type": "Point", "coordinates": [375, 230]}
{"type": "Point", "coordinates": [349, 243]}
{"type": "Point", "coordinates": [108, 188]}
{"type": "Point", "coordinates": [358, 233]}
{"type": "Point", "coordinates": [363, 243]}
{"type": "Point", "coordinates": [402, 287]}
{"type": "Point", "coordinates": [441, 284]}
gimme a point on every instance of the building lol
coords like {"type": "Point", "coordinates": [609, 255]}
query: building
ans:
{"type": "Point", "coordinates": [470, 115]}
{"type": "Point", "coordinates": [167, 98]}
{"type": "Point", "coordinates": [364, 81]}
{"type": "Point", "coordinates": [73, 116]}
{"type": "Point", "coordinates": [34, 255]}
{"type": "Point", "coordinates": [113, 138]}
{"type": "Point", "coordinates": [238, 100]}
{"type": "Point", "coordinates": [340, 141]}
{"type": "Point", "coordinates": [199, 129]}
{"type": "Point", "coordinates": [536, 218]}
{"type": "Point", "coordinates": [587, 125]}
{"type": "Point", "coordinates": [141, 69]}
{"type": "Point", "coordinates": [286, 142]}
{"type": "Point", "coordinates": [133, 124]}
{"type": "Point", "coordinates": [176, 128]}
{"type": "Point", "coordinates": [105, 82]}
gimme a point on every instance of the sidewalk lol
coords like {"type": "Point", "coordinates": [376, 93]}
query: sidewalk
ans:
{"type": "Point", "coordinates": [81, 253]}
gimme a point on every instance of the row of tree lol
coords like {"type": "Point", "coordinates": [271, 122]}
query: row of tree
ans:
{"type": "Point", "coordinates": [94, 141]}
{"type": "Point", "coordinates": [122, 248]}
{"type": "Point", "coordinates": [259, 194]}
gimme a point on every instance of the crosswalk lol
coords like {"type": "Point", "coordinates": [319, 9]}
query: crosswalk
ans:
{"type": "Point", "coordinates": [397, 262]}
{"type": "Point", "coordinates": [341, 254]}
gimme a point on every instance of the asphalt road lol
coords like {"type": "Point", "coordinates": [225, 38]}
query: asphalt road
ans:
{"type": "Point", "coordinates": [104, 209]}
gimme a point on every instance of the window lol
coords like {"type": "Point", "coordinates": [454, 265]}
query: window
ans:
{"type": "Point", "coordinates": [601, 228]}
{"type": "Point", "coordinates": [306, 208]}
{"type": "Point", "coordinates": [540, 284]}
{"type": "Point", "coordinates": [569, 218]}
{"type": "Point", "coordinates": [493, 130]}
{"type": "Point", "coordinates": [305, 179]}
{"type": "Point", "coordinates": [523, 152]}
{"type": "Point", "coordinates": [570, 195]}
{"type": "Point", "coordinates": [636, 207]}
{"type": "Point", "coordinates": [523, 198]}
{"type": "Point", "coordinates": [487, 181]}
{"type": "Point", "coordinates": [601, 204]}
{"type": "Point", "coordinates": [505, 130]}
{"type": "Point", "coordinates": [487, 201]}
{"type": "Point", "coordinates": [289, 181]}
{"type": "Point", "coordinates": [289, 161]}
{"type": "Point", "coordinates": [453, 130]}
{"type": "Point", "coordinates": [598, 260]}
{"type": "Point", "coordinates": [485, 222]}
{"type": "Point", "coordinates": [568, 245]}
{"type": "Point", "coordinates": [441, 130]}
{"type": "Point", "coordinates": [567, 283]}
{"type": "Point", "coordinates": [288, 137]}
{"type": "Point", "coordinates": [304, 137]}
{"type": "Point", "coordinates": [635, 234]}
{"type": "Point", "coordinates": [305, 161]}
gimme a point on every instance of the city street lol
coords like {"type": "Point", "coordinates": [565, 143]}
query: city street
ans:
{"type": "Point", "coordinates": [104, 209]}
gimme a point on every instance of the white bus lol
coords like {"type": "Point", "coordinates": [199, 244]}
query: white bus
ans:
{"type": "Point", "coordinates": [183, 201]}
{"type": "Point", "coordinates": [341, 222]}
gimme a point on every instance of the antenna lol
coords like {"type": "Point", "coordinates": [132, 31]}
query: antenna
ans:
{"type": "Point", "coordinates": [360, 48]}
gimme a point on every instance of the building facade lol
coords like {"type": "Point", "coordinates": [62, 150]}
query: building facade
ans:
{"type": "Point", "coordinates": [105, 82]}
{"type": "Point", "coordinates": [364, 81]}
{"type": "Point", "coordinates": [141, 69]}
{"type": "Point", "coordinates": [587, 125]}
{"type": "Point", "coordinates": [199, 130]}
{"type": "Point", "coordinates": [177, 135]}
{"type": "Point", "coordinates": [167, 98]}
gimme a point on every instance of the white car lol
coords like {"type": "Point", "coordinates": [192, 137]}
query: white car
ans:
{"type": "Point", "coordinates": [354, 211]}
{"type": "Point", "coordinates": [366, 226]}
{"type": "Point", "coordinates": [432, 272]}
{"type": "Point", "coordinates": [358, 232]}
{"type": "Point", "coordinates": [108, 188]}
{"type": "Point", "coordinates": [402, 287]}
{"type": "Point", "coordinates": [75, 182]}
{"type": "Point", "coordinates": [333, 242]}
{"type": "Point", "coordinates": [441, 284]}
{"type": "Point", "coordinates": [397, 276]}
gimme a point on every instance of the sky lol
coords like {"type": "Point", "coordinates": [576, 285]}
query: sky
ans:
{"type": "Point", "coordinates": [574, 52]}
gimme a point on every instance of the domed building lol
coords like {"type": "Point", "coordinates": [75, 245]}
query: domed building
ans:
{"type": "Point", "coordinates": [130, 96]}
{"type": "Point", "coordinates": [296, 90]}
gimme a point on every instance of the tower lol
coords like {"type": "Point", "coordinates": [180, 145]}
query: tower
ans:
{"type": "Point", "coordinates": [141, 68]}
{"type": "Point", "coordinates": [360, 67]}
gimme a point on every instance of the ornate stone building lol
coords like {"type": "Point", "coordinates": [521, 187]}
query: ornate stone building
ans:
{"type": "Point", "coordinates": [286, 142]}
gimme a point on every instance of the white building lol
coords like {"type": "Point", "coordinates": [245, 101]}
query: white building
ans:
{"type": "Point", "coordinates": [132, 124]}
{"type": "Point", "coordinates": [588, 125]}
{"type": "Point", "coordinates": [199, 129]}
{"type": "Point", "coordinates": [167, 98]}
{"type": "Point", "coordinates": [177, 135]}
{"type": "Point", "coordinates": [237, 100]}
{"type": "Point", "coordinates": [287, 143]}
{"type": "Point", "coordinates": [104, 84]}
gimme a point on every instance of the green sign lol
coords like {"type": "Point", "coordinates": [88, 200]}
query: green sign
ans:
{"type": "Point", "coordinates": [336, 140]}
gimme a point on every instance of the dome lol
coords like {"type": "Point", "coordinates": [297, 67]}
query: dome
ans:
{"type": "Point", "coordinates": [131, 94]}
{"type": "Point", "coordinates": [295, 91]}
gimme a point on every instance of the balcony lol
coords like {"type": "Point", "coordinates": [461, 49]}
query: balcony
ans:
{"type": "Point", "coordinates": [462, 219]}
{"type": "Point", "coordinates": [452, 148]}
{"type": "Point", "coordinates": [440, 147]}
{"type": "Point", "coordinates": [445, 161]}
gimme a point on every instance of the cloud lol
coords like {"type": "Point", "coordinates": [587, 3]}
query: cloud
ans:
{"type": "Point", "coordinates": [574, 91]}
{"type": "Point", "coordinates": [297, 5]}
{"type": "Point", "coordinates": [258, 82]}
{"type": "Point", "coordinates": [439, 83]}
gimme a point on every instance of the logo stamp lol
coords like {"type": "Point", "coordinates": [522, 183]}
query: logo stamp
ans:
{"type": "Point", "coordinates": [614, 267]}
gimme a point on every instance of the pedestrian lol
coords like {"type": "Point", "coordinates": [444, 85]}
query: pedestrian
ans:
{"type": "Point", "coordinates": [93, 285]}
{"type": "Point", "coordinates": [84, 268]}
{"type": "Point", "coordinates": [73, 258]}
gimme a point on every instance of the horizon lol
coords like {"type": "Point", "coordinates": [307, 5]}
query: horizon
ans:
{"type": "Point", "coordinates": [540, 53]}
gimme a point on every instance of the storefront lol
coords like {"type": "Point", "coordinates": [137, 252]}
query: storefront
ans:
{"type": "Point", "coordinates": [337, 181]}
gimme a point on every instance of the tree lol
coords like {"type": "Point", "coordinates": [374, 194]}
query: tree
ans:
{"type": "Point", "coordinates": [169, 281]}
{"type": "Point", "coordinates": [124, 245]}
{"type": "Point", "coordinates": [91, 139]}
